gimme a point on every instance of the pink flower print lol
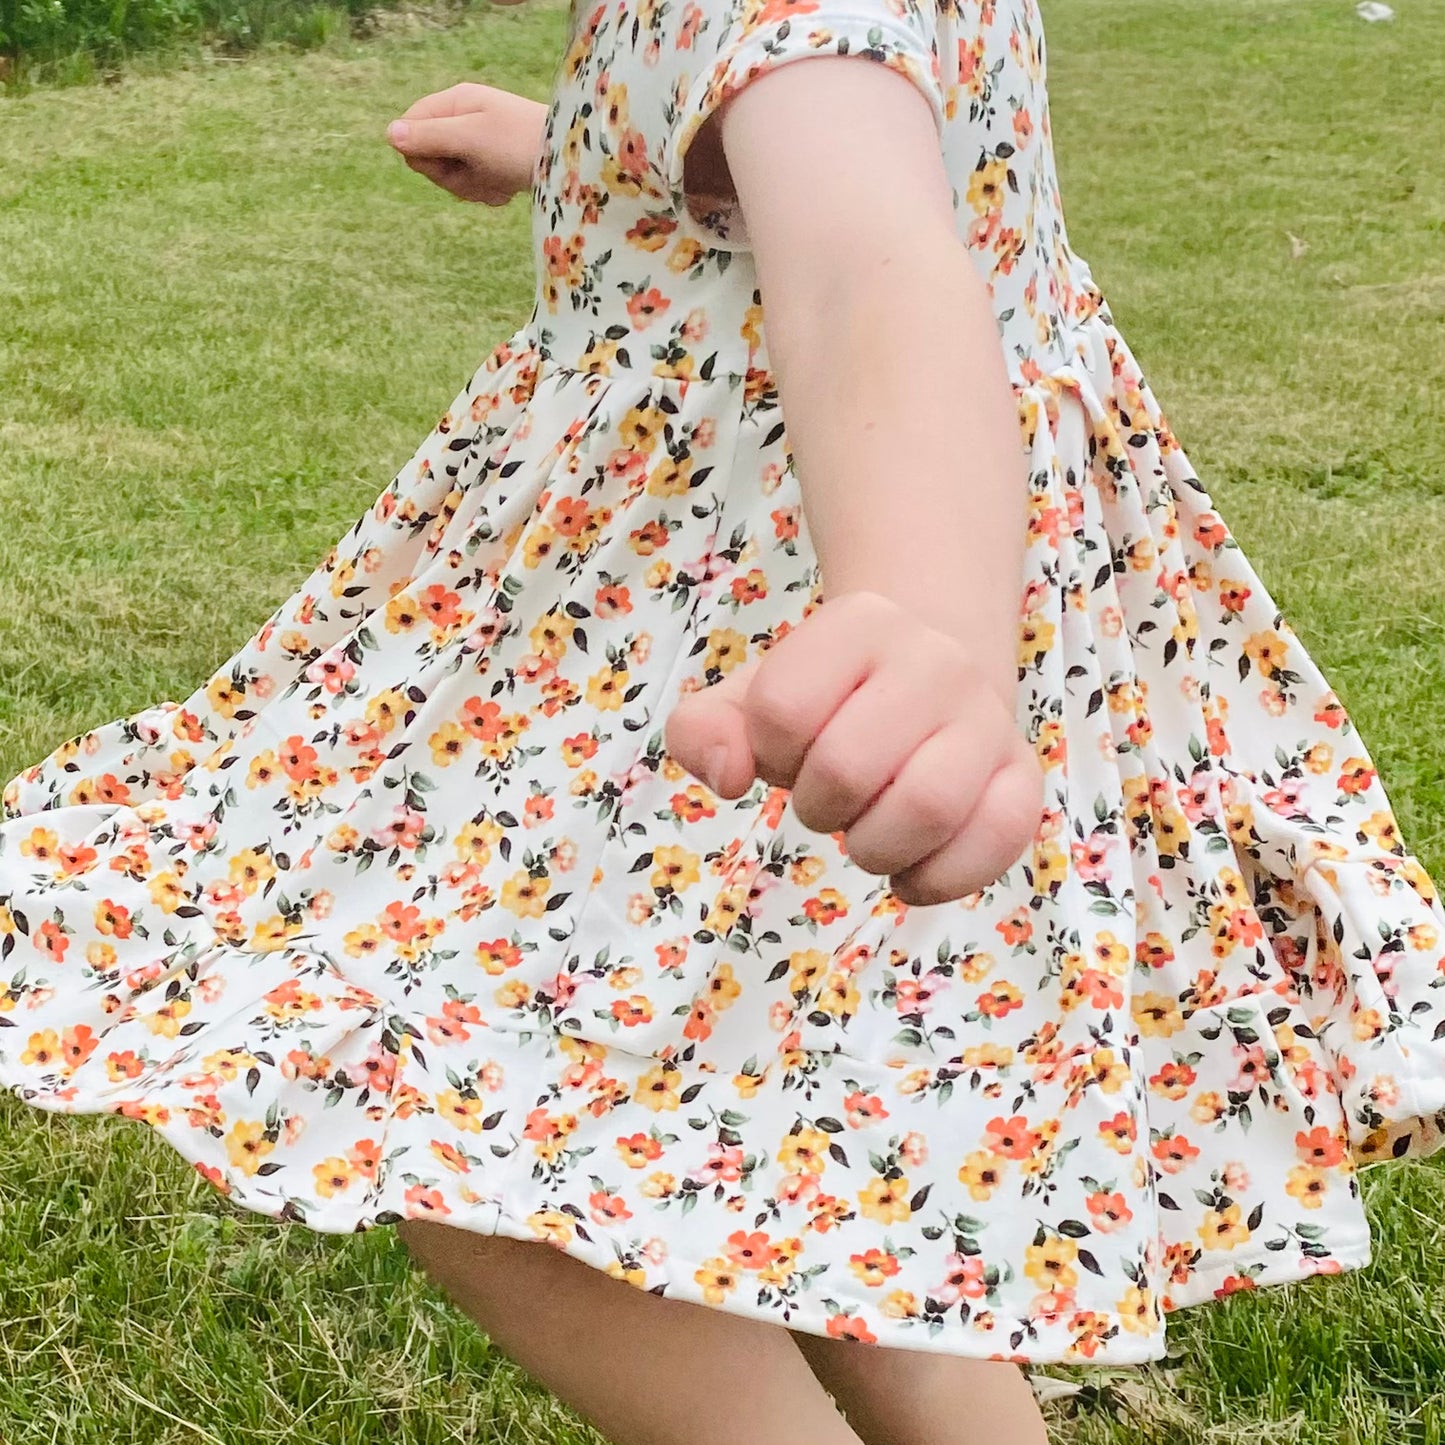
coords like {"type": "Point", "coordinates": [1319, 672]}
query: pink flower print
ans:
{"type": "Point", "coordinates": [1285, 799]}
{"type": "Point", "coordinates": [916, 995]}
{"type": "Point", "coordinates": [1091, 858]}
{"type": "Point", "coordinates": [724, 1163]}
{"type": "Point", "coordinates": [1253, 1068]}
{"type": "Point", "coordinates": [1235, 1178]}
{"type": "Point", "coordinates": [798, 1188]}
{"type": "Point", "coordinates": [404, 830]}
{"type": "Point", "coordinates": [963, 1278]}
{"type": "Point", "coordinates": [195, 835]}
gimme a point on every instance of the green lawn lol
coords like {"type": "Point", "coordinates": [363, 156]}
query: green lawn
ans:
{"type": "Point", "coordinates": [230, 314]}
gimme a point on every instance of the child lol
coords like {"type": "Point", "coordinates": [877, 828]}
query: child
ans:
{"type": "Point", "coordinates": [861, 875]}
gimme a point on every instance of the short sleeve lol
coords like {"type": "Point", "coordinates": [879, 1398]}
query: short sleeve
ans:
{"type": "Point", "coordinates": [721, 45]}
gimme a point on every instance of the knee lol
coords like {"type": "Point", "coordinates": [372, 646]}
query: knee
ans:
{"type": "Point", "coordinates": [435, 1247]}
{"type": "Point", "coordinates": [448, 1254]}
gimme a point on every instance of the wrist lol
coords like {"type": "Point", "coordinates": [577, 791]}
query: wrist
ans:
{"type": "Point", "coordinates": [986, 630]}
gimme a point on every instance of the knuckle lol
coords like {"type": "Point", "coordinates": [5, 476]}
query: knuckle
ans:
{"type": "Point", "coordinates": [771, 704]}
{"type": "Point", "coordinates": [920, 890]}
{"type": "Point", "coordinates": [930, 808]}
{"type": "Point", "coordinates": [872, 856]}
{"type": "Point", "coordinates": [835, 770]}
{"type": "Point", "coordinates": [1021, 790]}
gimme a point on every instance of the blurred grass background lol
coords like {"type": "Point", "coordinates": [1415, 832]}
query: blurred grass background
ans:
{"type": "Point", "coordinates": [231, 314]}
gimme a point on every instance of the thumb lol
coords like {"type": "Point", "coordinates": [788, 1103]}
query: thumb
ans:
{"type": "Point", "coordinates": [707, 732]}
{"type": "Point", "coordinates": [443, 137]}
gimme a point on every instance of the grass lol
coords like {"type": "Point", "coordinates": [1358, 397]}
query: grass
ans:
{"type": "Point", "coordinates": [231, 314]}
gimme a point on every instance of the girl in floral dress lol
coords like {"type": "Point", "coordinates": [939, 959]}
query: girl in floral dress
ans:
{"type": "Point", "coordinates": [792, 796]}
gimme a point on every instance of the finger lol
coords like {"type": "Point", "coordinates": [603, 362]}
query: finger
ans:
{"type": "Point", "coordinates": [459, 99]}
{"type": "Point", "coordinates": [930, 800]}
{"type": "Point", "coordinates": [809, 674]}
{"type": "Point", "coordinates": [861, 749]}
{"type": "Point", "coordinates": [444, 173]}
{"type": "Point", "coordinates": [707, 733]}
{"type": "Point", "coordinates": [992, 841]}
{"type": "Point", "coordinates": [444, 137]}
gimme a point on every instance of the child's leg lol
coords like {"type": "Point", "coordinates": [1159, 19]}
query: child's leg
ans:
{"type": "Point", "coordinates": [643, 1370]}
{"type": "Point", "coordinates": [914, 1397]}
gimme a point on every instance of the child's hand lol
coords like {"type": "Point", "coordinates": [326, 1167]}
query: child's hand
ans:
{"type": "Point", "coordinates": [476, 142]}
{"type": "Point", "coordinates": [884, 729]}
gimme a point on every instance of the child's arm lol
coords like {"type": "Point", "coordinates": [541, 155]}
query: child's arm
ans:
{"type": "Point", "coordinates": [475, 141]}
{"type": "Point", "coordinates": [902, 421]}
{"type": "Point", "coordinates": [890, 712]}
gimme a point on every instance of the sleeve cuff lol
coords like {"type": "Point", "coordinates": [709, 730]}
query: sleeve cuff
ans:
{"type": "Point", "coordinates": [718, 222]}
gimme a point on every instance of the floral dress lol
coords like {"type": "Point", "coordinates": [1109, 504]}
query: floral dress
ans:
{"type": "Point", "coordinates": [406, 912]}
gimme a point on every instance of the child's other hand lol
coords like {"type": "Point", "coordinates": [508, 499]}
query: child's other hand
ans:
{"type": "Point", "coordinates": [472, 140]}
{"type": "Point", "coordinates": [885, 730]}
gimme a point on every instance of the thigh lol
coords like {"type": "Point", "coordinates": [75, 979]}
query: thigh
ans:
{"type": "Point", "coordinates": [644, 1370]}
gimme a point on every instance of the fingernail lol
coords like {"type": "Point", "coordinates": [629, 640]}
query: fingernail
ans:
{"type": "Point", "coordinates": [717, 760]}
{"type": "Point", "coordinates": [398, 131]}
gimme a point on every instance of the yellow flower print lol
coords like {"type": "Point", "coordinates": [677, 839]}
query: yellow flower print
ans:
{"type": "Point", "coordinates": [982, 1172]}
{"type": "Point", "coordinates": [805, 1152]}
{"type": "Point", "coordinates": [166, 1021]}
{"type": "Point", "coordinates": [986, 186]}
{"type": "Point", "coordinates": [1050, 868]}
{"type": "Point", "coordinates": [900, 1304]}
{"type": "Point", "coordinates": [475, 839]}
{"type": "Point", "coordinates": [1036, 639]}
{"type": "Point", "coordinates": [1050, 1265]}
{"type": "Point", "coordinates": [460, 1112]}
{"type": "Point", "coordinates": [447, 744]}
{"type": "Point", "coordinates": [1157, 1015]}
{"type": "Point", "coordinates": [1382, 830]}
{"type": "Point", "coordinates": [726, 649]}
{"type": "Point", "coordinates": [885, 1200]}
{"type": "Point", "coordinates": [251, 869]}
{"type": "Point", "coordinates": [723, 988]}
{"type": "Point", "coordinates": [1137, 1311]}
{"type": "Point", "coordinates": [727, 908]}
{"type": "Point", "coordinates": [606, 688]}
{"type": "Point", "coordinates": [226, 698]}
{"type": "Point", "coordinates": [247, 1146]}
{"type": "Point", "coordinates": [839, 997]}
{"type": "Point", "coordinates": [718, 1280]}
{"type": "Point", "coordinates": [674, 867]}
{"type": "Point", "coordinates": [551, 633]}
{"type": "Point", "coordinates": [385, 708]}
{"type": "Point", "coordinates": [402, 613]}
{"type": "Point", "coordinates": [525, 895]}
{"type": "Point", "coordinates": [808, 967]}
{"type": "Point", "coordinates": [658, 1089]}
{"type": "Point", "coordinates": [686, 253]}
{"type": "Point", "coordinates": [274, 933]}
{"type": "Point", "coordinates": [541, 542]}
{"type": "Point", "coordinates": [1110, 956]}
{"type": "Point", "coordinates": [640, 428]}
{"type": "Point", "coordinates": [263, 769]}
{"type": "Point", "coordinates": [1224, 1228]}
{"type": "Point", "coordinates": [1267, 650]}
{"type": "Point", "coordinates": [166, 892]}
{"type": "Point", "coordinates": [671, 477]}
{"type": "Point", "coordinates": [42, 1050]}
{"type": "Point", "coordinates": [1308, 1185]}
{"type": "Point", "coordinates": [333, 1176]}
{"type": "Point", "coordinates": [552, 1226]}
{"type": "Point", "coordinates": [364, 941]}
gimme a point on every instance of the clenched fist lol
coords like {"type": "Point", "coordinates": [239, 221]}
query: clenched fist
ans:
{"type": "Point", "coordinates": [884, 730]}
{"type": "Point", "coordinates": [476, 142]}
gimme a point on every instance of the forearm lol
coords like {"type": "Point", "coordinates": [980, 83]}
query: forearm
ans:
{"type": "Point", "coordinates": [905, 434]}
